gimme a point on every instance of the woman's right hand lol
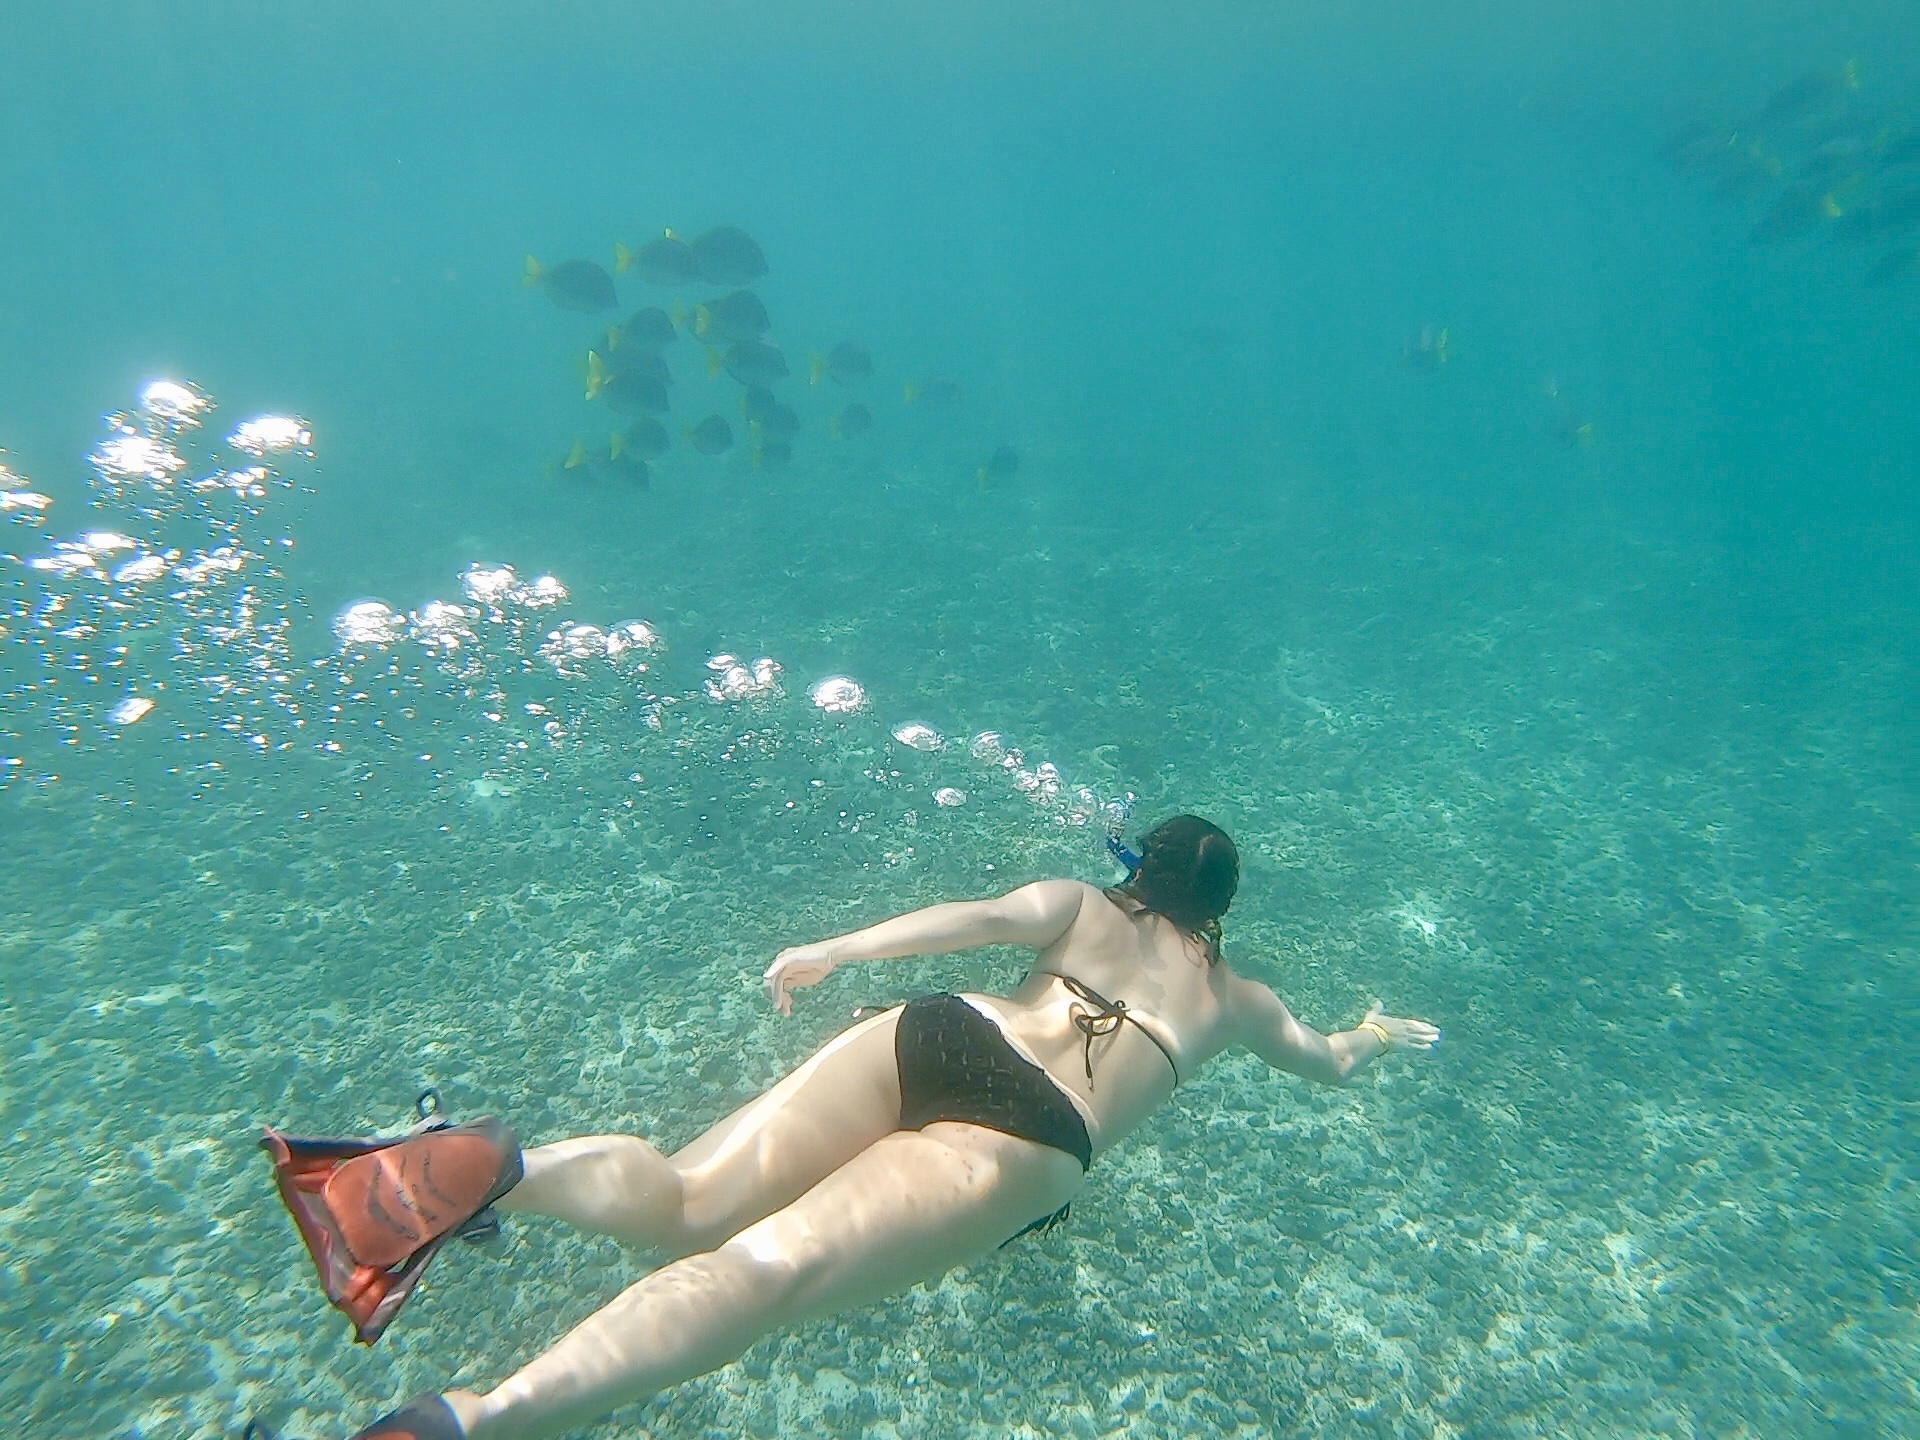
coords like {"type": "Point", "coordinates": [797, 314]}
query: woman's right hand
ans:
{"type": "Point", "coordinates": [795, 968]}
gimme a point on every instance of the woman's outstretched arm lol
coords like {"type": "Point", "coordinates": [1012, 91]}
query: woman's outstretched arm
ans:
{"type": "Point", "coordinates": [1035, 915]}
{"type": "Point", "coordinates": [1265, 1026]}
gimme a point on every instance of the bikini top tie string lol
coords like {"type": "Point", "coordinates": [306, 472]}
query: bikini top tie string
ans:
{"type": "Point", "coordinates": [1103, 1019]}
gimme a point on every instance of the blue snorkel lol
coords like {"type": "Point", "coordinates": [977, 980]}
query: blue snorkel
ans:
{"type": "Point", "coordinates": [1123, 857]}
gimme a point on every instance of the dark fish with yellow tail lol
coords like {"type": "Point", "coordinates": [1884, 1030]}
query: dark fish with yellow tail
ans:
{"type": "Point", "coordinates": [757, 402]}
{"type": "Point", "coordinates": [712, 436]}
{"type": "Point", "coordinates": [766, 416]}
{"type": "Point", "coordinates": [1798, 212]}
{"type": "Point", "coordinates": [1693, 137]}
{"type": "Point", "coordinates": [635, 395]}
{"type": "Point", "coordinates": [632, 388]}
{"type": "Point", "coordinates": [1896, 266]}
{"type": "Point", "coordinates": [1003, 464]}
{"type": "Point", "coordinates": [934, 390]}
{"type": "Point", "coordinates": [739, 316]}
{"type": "Point", "coordinates": [851, 422]}
{"type": "Point", "coordinates": [596, 463]}
{"type": "Point", "coordinates": [645, 437]}
{"type": "Point", "coordinates": [727, 255]}
{"type": "Point", "coordinates": [648, 329]}
{"type": "Point", "coordinates": [1567, 422]}
{"type": "Point", "coordinates": [1834, 164]}
{"type": "Point", "coordinates": [629, 360]}
{"type": "Point", "coordinates": [752, 362]}
{"type": "Point", "coordinates": [848, 363]}
{"type": "Point", "coordinates": [623, 467]}
{"type": "Point", "coordinates": [776, 422]}
{"type": "Point", "coordinates": [606, 463]}
{"type": "Point", "coordinates": [772, 455]}
{"type": "Point", "coordinates": [1797, 97]}
{"type": "Point", "coordinates": [576, 464]}
{"type": "Point", "coordinates": [1897, 149]}
{"type": "Point", "coordinates": [1881, 218]}
{"type": "Point", "coordinates": [1700, 147]}
{"type": "Point", "coordinates": [666, 261]}
{"type": "Point", "coordinates": [1570, 427]}
{"type": "Point", "coordinates": [631, 392]}
{"type": "Point", "coordinates": [1430, 349]}
{"type": "Point", "coordinates": [572, 284]}
{"type": "Point", "coordinates": [1744, 175]}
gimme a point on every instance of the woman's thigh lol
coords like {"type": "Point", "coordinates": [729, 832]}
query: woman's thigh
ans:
{"type": "Point", "coordinates": [908, 1209]}
{"type": "Point", "coordinates": [773, 1149]}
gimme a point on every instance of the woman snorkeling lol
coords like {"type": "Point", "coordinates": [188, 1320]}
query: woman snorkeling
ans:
{"type": "Point", "coordinates": [916, 1141]}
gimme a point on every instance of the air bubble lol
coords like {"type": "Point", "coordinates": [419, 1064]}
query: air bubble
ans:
{"type": "Point", "coordinates": [271, 435]}
{"type": "Point", "coordinates": [131, 710]}
{"type": "Point", "coordinates": [916, 736]}
{"type": "Point", "coordinates": [369, 625]}
{"type": "Point", "coordinates": [838, 695]}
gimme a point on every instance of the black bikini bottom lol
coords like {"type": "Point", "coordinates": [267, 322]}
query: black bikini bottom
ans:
{"type": "Point", "coordinates": [956, 1065]}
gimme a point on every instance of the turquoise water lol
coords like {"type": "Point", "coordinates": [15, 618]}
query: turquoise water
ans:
{"type": "Point", "coordinates": [1560, 693]}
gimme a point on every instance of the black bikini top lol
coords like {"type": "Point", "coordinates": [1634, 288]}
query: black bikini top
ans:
{"type": "Point", "coordinates": [1103, 1019]}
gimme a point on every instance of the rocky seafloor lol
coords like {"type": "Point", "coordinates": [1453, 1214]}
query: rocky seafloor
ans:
{"type": "Point", "coordinates": [1644, 854]}
{"type": "Point", "coordinates": [1657, 1178]}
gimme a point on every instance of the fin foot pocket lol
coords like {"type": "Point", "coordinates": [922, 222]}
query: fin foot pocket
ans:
{"type": "Point", "coordinates": [481, 1229]}
{"type": "Point", "coordinates": [427, 1418]}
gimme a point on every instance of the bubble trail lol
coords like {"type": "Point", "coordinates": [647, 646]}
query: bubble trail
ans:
{"type": "Point", "coordinates": [172, 615]}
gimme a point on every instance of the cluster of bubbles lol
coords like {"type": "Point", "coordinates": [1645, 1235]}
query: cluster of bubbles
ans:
{"type": "Point", "coordinates": [1041, 785]}
{"type": "Point", "coordinates": [735, 680]}
{"type": "Point", "coordinates": [180, 612]}
{"type": "Point", "coordinates": [178, 592]}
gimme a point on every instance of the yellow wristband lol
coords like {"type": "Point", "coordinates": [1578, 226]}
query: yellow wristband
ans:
{"type": "Point", "coordinates": [1386, 1040]}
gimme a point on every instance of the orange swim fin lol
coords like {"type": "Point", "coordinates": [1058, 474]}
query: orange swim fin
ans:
{"type": "Point", "coordinates": [374, 1212]}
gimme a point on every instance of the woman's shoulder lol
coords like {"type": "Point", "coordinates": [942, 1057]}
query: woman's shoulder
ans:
{"type": "Point", "coordinates": [1078, 904]}
{"type": "Point", "coordinates": [1244, 1001]}
{"type": "Point", "coordinates": [1064, 888]}
{"type": "Point", "coordinates": [1060, 903]}
{"type": "Point", "coordinates": [1077, 891]}
{"type": "Point", "coordinates": [1098, 904]}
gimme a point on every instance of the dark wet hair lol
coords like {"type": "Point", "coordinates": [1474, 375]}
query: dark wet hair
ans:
{"type": "Point", "coordinates": [1188, 872]}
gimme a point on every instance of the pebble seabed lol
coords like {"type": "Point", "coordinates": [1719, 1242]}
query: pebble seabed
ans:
{"type": "Point", "coordinates": [1610, 1205]}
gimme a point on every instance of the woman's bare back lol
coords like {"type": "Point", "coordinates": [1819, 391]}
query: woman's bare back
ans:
{"type": "Point", "coordinates": [1169, 984]}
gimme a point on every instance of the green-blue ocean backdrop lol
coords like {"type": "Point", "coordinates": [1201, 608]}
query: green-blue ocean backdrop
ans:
{"type": "Point", "coordinates": [1468, 451]}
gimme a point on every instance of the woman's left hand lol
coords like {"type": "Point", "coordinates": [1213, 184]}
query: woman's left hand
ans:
{"type": "Point", "coordinates": [1404, 1034]}
{"type": "Point", "coordinates": [795, 968]}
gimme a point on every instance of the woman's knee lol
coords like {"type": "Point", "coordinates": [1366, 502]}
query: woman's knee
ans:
{"type": "Point", "coordinates": [713, 1208]}
{"type": "Point", "coordinates": [648, 1188]}
{"type": "Point", "coordinates": [771, 1276]}
{"type": "Point", "coordinates": [616, 1184]}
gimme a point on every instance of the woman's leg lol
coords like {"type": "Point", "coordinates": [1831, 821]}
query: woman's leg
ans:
{"type": "Point", "coordinates": [910, 1207]}
{"type": "Point", "coordinates": [766, 1154]}
{"type": "Point", "coordinates": [617, 1185]}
